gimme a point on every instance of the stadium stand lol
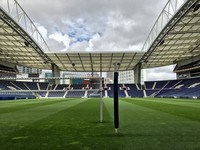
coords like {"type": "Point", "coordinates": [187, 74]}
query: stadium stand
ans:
{"type": "Point", "coordinates": [135, 93]}
{"type": "Point", "coordinates": [182, 88]}
{"type": "Point", "coordinates": [151, 92]}
{"type": "Point", "coordinates": [95, 93]}
{"type": "Point", "coordinates": [16, 95]}
{"type": "Point", "coordinates": [20, 85]}
{"type": "Point", "coordinates": [160, 84]}
{"type": "Point", "coordinates": [40, 94]}
{"type": "Point", "coordinates": [172, 83]}
{"type": "Point", "coordinates": [78, 86]}
{"type": "Point", "coordinates": [75, 94]}
{"type": "Point", "coordinates": [110, 93]}
{"type": "Point", "coordinates": [43, 86]}
{"type": "Point", "coordinates": [56, 93]}
{"type": "Point", "coordinates": [133, 90]}
{"type": "Point", "coordinates": [61, 87]}
{"type": "Point", "coordinates": [149, 84]}
{"type": "Point", "coordinates": [120, 90]}
{"type": "Point", "coordinates": [31, 85]}
{"type": "Point", "coordinates": [122, 93]}
{"type": "Point", "coordinates": [94, 86]}
{"type": "Point", "coordinates": [6, 85]}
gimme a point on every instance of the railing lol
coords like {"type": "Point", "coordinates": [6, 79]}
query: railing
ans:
{"type": "Point", "coordinates": [15, 11]}
{"type": "Point", "coordinates": [170, 9]}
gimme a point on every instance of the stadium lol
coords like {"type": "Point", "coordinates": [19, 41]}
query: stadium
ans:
{"type": "Point", "coordinates": [89, 113]}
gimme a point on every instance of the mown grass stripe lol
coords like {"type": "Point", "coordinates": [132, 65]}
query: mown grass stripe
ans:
{"type": "Point", "coordinates": [182, 102]}
{"type": "Point", "coordinates": [178, 110]}
{"type": "Point", "coordinates": [78, 127]}
{"type": "Point", "coordinates": [189, 103]}
{"type": "Point", "coordinates": [11, 122]}
{"type": "Point", "coordinates": [73, 128]}
{"type": "Point", "coordinates": [21, 105]}
{"type": "Point", "coordinates": [146, 128]}
{"type": "Point", "coordinates": [132, 113]}
{"type": "Point", "coordinates": [170, 100]}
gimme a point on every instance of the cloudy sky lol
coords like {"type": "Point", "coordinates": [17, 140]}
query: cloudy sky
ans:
{"type": "Point", "coordinates": [96, 25]}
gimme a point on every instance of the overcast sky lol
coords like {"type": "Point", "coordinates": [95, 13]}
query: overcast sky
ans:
{"type": "Point", "coordinates": [96, 25]}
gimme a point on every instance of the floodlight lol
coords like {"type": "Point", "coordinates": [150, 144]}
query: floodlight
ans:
{"type": "Point", "coordinates": [26, 43]}
{"type": "Point", "coordinates": [196, 7]}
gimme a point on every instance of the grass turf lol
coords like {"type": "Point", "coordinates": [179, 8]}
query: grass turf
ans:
{"type": "Point", "coordinates": [74, 124]}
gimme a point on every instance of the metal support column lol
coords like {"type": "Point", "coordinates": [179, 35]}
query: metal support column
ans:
{"type": "Point", "coordinates": [101, 100]}
{"type": "Point", "coordinates": [116, 103]}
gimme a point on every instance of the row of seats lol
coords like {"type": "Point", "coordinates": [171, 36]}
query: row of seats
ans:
{"type": "Point", "coordinates": [187, 88]}
{"type": "Point", "coordinates": [16, 95]}
{"type": "Point", "coordinates": [74, 90]}
{"type": "Point", "coordinates": [78, 93]}
{"type": "Point", "coordinates": [172, 84]}
{"type": "Point", "coordinates": [17, 85]}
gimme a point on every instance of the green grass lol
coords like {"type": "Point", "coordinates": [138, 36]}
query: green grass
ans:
{"type": "Point", "coordinates": [152, 124]}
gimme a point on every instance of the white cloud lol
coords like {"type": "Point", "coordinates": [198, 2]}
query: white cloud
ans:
{"type": "Point", "coordinates": [117, 20]}
{"type": "Point", "coordinates": [78, 46]}
{"type": "Point", "coordinates": [94, 38]}
{"type": "Point", "coordinates": [43, 31]}
{"type": "Point", "coordinates": [122, 25]}
{"type": "Point", "coordinates": [59, 37]}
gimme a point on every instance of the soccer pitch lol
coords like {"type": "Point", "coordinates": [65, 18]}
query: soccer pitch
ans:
{"type": "Point", "coordinates": [72, 124]}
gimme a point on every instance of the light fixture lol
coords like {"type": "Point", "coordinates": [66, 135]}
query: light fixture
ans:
{"type": "Point", "coordinates": [26, 43]}
{"type": "Point", "coordinates": [196, 7]}
{"type": "Point", "coordinates": [162, 42]}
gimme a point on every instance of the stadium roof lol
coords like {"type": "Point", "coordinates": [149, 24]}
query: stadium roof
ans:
{"type": "Point", "coordinates": [17, 46]}
{"type": "Point", "coordinates": [179, 40]}
{"type": "Point", "coordinates": [14, 49]}
{"type": "Point", "coordinates": [93, 61]}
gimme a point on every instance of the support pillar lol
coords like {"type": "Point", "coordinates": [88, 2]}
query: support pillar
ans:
{"type": "Point", "coordinates": [137, 74]}
{"type": "Point", "coordinates": [55, 73]}
{"type": "Point", "coordinates": [101, 89]}
{"type": "Point", "coordinates": [101, 100]}
{"type": "Point", "coordinates": [116, 103]}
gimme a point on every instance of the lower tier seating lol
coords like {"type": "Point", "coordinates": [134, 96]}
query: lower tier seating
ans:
{"type": "Point", "coordinates": [185, 88]}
